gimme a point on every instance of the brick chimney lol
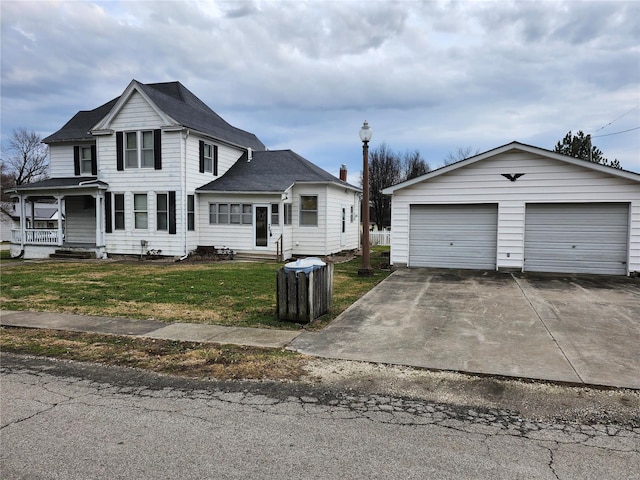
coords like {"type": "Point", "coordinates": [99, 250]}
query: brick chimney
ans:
{"type": "Point", "coordinates": [343, 172]}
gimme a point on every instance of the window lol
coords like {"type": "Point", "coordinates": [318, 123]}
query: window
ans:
{"type": "Point", "coordinates": [118, 210]}
{"type": "Point", "coordinates": [275, 214]}
{"type": "Point", "coordinates": [191, 213]}
{"type": "Point", "coordinates": [287, 213]}
{"type": "Point", "coordinates": [236, 215]}
{"type": "Point", "coordinates": [208, 158]}
{"type": "Point", "coordinates": [85, 160]}
{"type": "Point", "coordinates": [140, 210]}
{"type": "Point", "coordinates": [131, 150]}
{"type": "Point", "coordinates": [162, 211]}
{"type": "Point", "coordinates": [309, 210]}
{"type": "Point", "coordinates": [147, 149]}
{"type": "Point", "coordinates": [230, 213]}
{"type": "Point", "coordinates": [352, 214]}
{"type": "Point", "coordinates": [247, 214]}
{"type": "Point", "coordinates": [139, 150]}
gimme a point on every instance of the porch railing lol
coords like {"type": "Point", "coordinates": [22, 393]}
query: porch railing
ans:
{"type": "Point", "coordinates": [380, 238]}
{"type": "Point", "coordinates": [36, 236]}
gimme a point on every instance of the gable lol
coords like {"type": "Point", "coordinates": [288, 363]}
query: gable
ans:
{"type": "Point", "coordinates": [542, 178]}
{"type": "Point", "coordinates": [542, 164]}
{"type": "Point", "coordinates": [137, 112]}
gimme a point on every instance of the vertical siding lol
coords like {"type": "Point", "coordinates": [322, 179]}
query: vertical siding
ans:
{"type": "Point", "coordinates": [510, 234]}
{"type": "Point", "coordinates": [545, 180]}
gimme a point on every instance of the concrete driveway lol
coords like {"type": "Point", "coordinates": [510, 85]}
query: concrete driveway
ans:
{"type": "Point", "coordinates": [577, 329]}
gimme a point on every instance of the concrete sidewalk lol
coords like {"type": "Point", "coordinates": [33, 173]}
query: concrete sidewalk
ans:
{"type": "Point", "coordinates": [187, 332]}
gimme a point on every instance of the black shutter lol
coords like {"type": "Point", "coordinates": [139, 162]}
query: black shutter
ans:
{"type": "Point", "coordinates": [201, 156]}
{"type": "Point", "coordinates": [215, 160]}
{"type": "Point", "coordinates": [119, 150]}
{"type": "Point", "coordinates": [107, 213]}
{"type": "Point", "coordinates": [94, 160]}
{"type": "Point", "coordinates": [76, 160]}
{"type": "Point", "coordinates": [172, 212]}
{"type": "Point", "coordinates": [157, 149]}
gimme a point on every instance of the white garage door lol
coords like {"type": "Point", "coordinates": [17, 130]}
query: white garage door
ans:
{"type": "Point", "coordinates": [453, 236]}
{"type": "Point", "coordinates": [577, 238]}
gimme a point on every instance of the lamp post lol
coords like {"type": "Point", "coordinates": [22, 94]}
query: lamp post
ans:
{"type": "Point", "coordinates": [365, 135]}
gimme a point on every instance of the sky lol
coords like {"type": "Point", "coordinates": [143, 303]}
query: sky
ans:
{"type": "Point", "coordinates": [432, 76]}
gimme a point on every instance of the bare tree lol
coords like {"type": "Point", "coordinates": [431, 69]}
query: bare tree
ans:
{"type": "Point", "coordinates": [413, 165]}
{"type": "Point", "coordinates": [387, 168]}
{"type": "Point", "coordinates": [26, 159]}
{"type": "Point", "coordinates": [461, 154]}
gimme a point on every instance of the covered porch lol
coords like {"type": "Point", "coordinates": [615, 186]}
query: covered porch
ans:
{"type": "Point", "coordinates": [79, 201]}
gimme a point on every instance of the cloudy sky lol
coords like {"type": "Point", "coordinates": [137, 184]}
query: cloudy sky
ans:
{"type": "Point", "coordinates": [429, 76]}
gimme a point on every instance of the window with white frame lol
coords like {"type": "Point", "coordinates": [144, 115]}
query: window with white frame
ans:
{"type": "Point", "coordinates": [208, 158]}
{"type": "Point", "coordinates": [352, 217]}
{"type": "Point", "coordinates": [85, 160]}
{"type": "Point", "coordinates": [140, 212]}
{"type": "Point", "coordinates": [118, 211]}
{"type": "Point", "coordinates": [275, 214]}
{"type": "Point", "coordinates": [288, 211]}
{"type": "Point", "coordinates": [230, 213]}
{"type": "Point", "coordinates": [191, 213]}
{"type": "Point", "coordinates": [309, 210]}
{"type": "Point", "coordinates": [162, 211]}
{"type": "Point", "coordinates": [138, 149]}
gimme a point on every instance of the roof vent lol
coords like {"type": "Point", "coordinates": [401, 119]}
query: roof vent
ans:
{"type": "Point", "coordinates": [249, 154]}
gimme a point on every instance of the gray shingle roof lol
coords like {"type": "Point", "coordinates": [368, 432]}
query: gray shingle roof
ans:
{"type": "Point", "coordinates": [270, 171]}
{"type": "Point", "coordinates": [62, 182]}
{"type": "Point", "coordinates": [77, 129]}
{"type": "Point", "coordinates": [175, 100]}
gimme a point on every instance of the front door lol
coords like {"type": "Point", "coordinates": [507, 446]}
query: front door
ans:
{"type": "Point", "coordinates": [261, 225]}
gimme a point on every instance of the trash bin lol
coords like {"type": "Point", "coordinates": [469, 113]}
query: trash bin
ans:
{"type": "Point", "coordinates": [304, 289]}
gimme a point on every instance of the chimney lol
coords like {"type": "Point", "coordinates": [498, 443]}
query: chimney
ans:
{"type": "Point", "coordinates": [343, 172]}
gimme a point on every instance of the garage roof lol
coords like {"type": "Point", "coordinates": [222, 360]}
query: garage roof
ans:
{"type": "Point", "coordinates": [509, 147]}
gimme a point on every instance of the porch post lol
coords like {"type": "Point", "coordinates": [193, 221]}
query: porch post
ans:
{"type": "Point", "coordinates": [60, 239]}
{"type": "Point", "coordinates": [23, 221]}
{"type": "Point", "coordinates": [99, 242]}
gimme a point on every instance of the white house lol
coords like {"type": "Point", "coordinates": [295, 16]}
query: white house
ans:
{"type": "Point", "coordinates": [156, 169]}
{"type": "Point", "coordinates": [519, 207]}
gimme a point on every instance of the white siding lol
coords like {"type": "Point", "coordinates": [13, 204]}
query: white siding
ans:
{"type": "Point", "coordinates": [136, 113]}
{"type": "Point", "coordinates": [310, 240]}
{"type": "Point", "coordinates": [80, 223]}
{"type": "Point", "coordinates": [239, 238]}
{"type": "Point", "coordinates": [545, 181]}
{"type": "Point", "coordinates": [61, 161]}
{"type": "Point", "coordinates": [337, 198]}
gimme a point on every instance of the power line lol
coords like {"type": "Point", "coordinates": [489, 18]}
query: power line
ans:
{"type": "Point", "coordinates": [604, 126]}
{"type": "Point", "coordinates": [616, 133]}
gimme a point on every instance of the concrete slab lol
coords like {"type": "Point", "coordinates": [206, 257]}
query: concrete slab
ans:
{"type": "Point", "coordinates": [254, 337]}
{"type": "Point", "coordinates": [78, 323]}
{"type": "Point", "coordinates": [484, 322]}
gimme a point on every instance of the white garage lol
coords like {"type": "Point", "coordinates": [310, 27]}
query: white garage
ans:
{"type": "Point", "coordinates": [519, 207]}
{"type": "Point", "coordinates": [453, 236]}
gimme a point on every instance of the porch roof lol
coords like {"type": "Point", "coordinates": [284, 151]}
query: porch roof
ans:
{"type": "Point", "coordinates": [63, 183]}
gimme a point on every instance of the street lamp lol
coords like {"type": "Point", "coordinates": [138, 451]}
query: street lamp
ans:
{"type": "Point", "coordinates": [365, 135]}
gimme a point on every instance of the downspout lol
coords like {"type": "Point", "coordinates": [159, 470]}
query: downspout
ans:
{"type": "Point", "coordinates": [185, 203]}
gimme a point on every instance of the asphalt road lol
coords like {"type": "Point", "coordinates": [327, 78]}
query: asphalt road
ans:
{"type": "Point", "coordinates": [75, 421]}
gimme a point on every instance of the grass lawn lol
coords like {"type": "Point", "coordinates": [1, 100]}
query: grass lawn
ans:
{"type": "Point", "coordinates": [223, 293]}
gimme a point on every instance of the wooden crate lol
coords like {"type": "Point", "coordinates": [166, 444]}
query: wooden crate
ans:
{"type": "Point", "coordinates": [302, 296]}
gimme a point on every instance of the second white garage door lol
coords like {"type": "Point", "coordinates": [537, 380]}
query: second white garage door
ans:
{"type": "Point", "coordinates": [577, 238]}
{"type": "Point", "coordinates": [453, 236]}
